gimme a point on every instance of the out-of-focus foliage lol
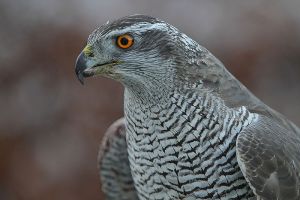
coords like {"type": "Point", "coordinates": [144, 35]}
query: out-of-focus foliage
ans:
{"type": "Point", "coordinates": [50, 125]}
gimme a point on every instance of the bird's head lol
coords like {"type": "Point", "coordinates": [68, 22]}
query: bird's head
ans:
{"type": "Point", "coordinates": [150, 56]}
{"type": "Point", "coordinates": [136, 50]}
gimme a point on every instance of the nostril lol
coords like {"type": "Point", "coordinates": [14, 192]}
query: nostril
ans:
{"type": "Point", "coordinates": [91, 55]}
{"type": "Point", "coordinates": [88, 51]}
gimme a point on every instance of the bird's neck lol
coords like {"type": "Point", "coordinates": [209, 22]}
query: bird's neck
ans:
{"type": "Point", "coordinates": [148, 95]}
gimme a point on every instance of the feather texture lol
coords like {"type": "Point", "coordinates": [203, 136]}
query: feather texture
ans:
{"type": "Point", "coordinates": [192, 130]}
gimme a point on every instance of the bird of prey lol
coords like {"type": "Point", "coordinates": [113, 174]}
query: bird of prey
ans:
{"type": "Point", "coordinates": [191, 130]}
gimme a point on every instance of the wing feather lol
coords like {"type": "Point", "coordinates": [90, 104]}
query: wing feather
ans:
{"type": "Point", "coordinates": [114, 169]}
{"type": "Point", "coordinates": [269, 156]}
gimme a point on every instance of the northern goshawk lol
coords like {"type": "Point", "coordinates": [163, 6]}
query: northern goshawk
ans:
{"type": "Point", "coordinates": [191, 130]}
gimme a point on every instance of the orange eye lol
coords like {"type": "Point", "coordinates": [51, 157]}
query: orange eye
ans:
{"type": "Point", "coordinates": [124, 41]}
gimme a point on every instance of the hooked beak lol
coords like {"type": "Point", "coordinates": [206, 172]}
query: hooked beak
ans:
{"type": "Point", "coordinates": [86, 66]}
{"type": "Point", "coordinates": [80, 67]}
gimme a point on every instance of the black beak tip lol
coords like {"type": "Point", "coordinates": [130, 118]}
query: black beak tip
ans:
{"type": "Point", "coordinates": [80, 77]}
{"type": "Point", "coordinates": [80, 67]}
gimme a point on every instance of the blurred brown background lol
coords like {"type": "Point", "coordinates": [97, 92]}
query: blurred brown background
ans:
{"type": "Point", "coordinates": [50, 125]}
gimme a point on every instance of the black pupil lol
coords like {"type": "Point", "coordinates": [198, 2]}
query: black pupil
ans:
{"type": "Point", "coordinates": [124, 41]}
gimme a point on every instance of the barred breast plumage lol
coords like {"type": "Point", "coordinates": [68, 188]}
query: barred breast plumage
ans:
{"type": "Point", "coordinates": [186, 148]}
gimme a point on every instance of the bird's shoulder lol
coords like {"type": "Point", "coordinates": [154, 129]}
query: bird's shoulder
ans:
{"type": "Point", "coordinates": [268, 154]}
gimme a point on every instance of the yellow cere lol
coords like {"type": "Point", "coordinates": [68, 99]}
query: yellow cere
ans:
{"type": "Point", "coordinates": [88, 50]}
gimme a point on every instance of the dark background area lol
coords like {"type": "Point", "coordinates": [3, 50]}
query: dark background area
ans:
{"type": "Point", "coordinates": [51, 126]}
